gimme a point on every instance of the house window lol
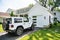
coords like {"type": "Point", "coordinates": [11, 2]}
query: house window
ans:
{"type": "Point", "coordinates": [26, 15]}
{"type": "Point", "coordinates": [34, 20]}
{"type": "Point", "coordinates": [34, 16]}
{"type": "Point", "coordinates": [44, 17]}
{"type": "Point", "coordinates": [26, 20]}
{"type": "Point", "coordinates": [54, 13]}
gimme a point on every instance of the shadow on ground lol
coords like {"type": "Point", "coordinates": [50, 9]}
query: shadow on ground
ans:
{"type": "Point", "coordinates": [14, 37]}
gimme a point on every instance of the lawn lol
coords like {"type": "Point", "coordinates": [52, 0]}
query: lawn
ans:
{"type": "Point", "coordinates": [44, 34]}
{"type": "Point", "coordinates": [1, 29]}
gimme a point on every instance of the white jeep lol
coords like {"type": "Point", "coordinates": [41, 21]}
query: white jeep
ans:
{"type": "Point", "coordinates": [17, 24]}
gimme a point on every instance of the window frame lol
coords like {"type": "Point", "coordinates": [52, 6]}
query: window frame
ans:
{"type": "Point", "coordinates": [16, 20]}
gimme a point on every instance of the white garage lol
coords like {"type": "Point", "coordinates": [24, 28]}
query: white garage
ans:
{"type": "Point", "coordinates": [39, 21]}
{"type": "Point", "coordinates": [40, 15]}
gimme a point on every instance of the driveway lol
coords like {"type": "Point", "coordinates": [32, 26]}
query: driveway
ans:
{"type": "Point", "coordinates": [6, 36]}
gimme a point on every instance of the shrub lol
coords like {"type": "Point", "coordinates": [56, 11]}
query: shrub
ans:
{"type": "Point", "coordinates": [0, 22]}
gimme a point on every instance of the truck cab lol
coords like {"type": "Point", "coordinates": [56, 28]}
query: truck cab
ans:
{"type": "Point", "coordinates": [17, 24]}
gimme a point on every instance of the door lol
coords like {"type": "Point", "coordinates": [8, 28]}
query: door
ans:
{"type": "Point", "coordinates": [26, 23]}
{"type": "Point", "coordinates": [49, 19]}
{"type": "Point", "coordinates": [40, 21]}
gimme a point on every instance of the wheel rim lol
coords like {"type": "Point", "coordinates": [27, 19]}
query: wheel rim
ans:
{"type": "Point", "coordinates": [19, 31]}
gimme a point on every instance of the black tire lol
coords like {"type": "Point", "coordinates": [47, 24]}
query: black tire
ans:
{"type": "Point", "coordinates": [32, 27]}
{"type": "Point", "coordinates": [19, 31]}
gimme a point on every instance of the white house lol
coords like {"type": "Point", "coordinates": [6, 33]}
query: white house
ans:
{"type": "Point", "coordinates": [57, 15]}
{"type": "Point", "coordinates": [40, 15]}
{"type": "Point", "coordinates": [22, 11]}
{"type": "Point", "coordinates": [3, 15]}
{"type": "Point", "coordinates": [10, 10]}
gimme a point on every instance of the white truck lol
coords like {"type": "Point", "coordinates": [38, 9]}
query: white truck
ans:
{"type": "Point", "coordinates": [17, 24]}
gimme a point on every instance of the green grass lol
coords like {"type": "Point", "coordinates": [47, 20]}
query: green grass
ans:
{"type": "Point", "coordinates": [45, 34]}
{"type": "Point", "coordinates": [1, 29]}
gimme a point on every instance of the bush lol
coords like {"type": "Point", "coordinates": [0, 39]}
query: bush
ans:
{"type": "Point", "coordinates": [50, 25]}
{"type": "Point", "coordinates": [55, 23]}
{"type": "Point", "coordinates": [0, 22]}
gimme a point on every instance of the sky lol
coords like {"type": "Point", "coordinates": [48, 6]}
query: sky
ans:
{"type": "Point", "coordinates": [14, 4]}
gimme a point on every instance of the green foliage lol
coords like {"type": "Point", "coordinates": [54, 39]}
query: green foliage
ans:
{"type": "Point", "coordinates": [45, 34]}
{"type": "Point", "coordinates": [41, 0]}
{"type": "Point", "coordinates": [1, 28]}
{"type": "Point", "coordinates": [0, 22]}
{"type": "Point", "coordinates": [50, 2]}
{"type": "Point", "coordinates": [12, 14]}
{"type": "Point", "coordinates": [57, 9]}
{"type": "Point", "coordinates": [26, 15]}
{"type": "Point", "coordinates": [56, 4]}
{"type": "Point", "coordinates": [31, 5]}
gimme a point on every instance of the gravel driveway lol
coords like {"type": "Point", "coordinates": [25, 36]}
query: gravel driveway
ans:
{"type": "Point", "coordinates": [6, 36]}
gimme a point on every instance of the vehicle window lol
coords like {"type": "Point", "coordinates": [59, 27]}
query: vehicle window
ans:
{"type": "Point", "coordinates": [18, 20]}
{"type": "Point", "coordinates": [26, 20]}
{"type": "Point", "coordinates": [9, 20]}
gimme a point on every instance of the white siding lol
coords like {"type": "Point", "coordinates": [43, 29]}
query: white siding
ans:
{"type": "Point", "coordinates": [39, 21]}
{"type": "Point", "coordinates": [37, 10]}
{"type": "Point", "coordinates": [58, 15]}
{"type": "Point", "coordinates": [40, 12]}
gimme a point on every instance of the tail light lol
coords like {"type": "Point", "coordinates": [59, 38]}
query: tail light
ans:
{"type": "Point", "coordinates": [12, 26]}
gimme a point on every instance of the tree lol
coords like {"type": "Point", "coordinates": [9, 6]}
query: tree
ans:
{"type": "Point", "coordinates": [50, 2]}
{"type": "Point", "coordinates": [31, 5]}
{"type": "Point", "coordinates": [56, 4]}
{"type": "Point", "coordinates": [12, 14]}
{"type": "Point", "coordinates": [43, 2]}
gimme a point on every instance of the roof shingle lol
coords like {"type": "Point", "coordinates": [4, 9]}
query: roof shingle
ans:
{"type": "Point", "coordinates": [2, 14]}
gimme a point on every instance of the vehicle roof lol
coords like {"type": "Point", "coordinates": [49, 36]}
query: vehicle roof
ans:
{"type": "Point", "coordinates": [16, 17]}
